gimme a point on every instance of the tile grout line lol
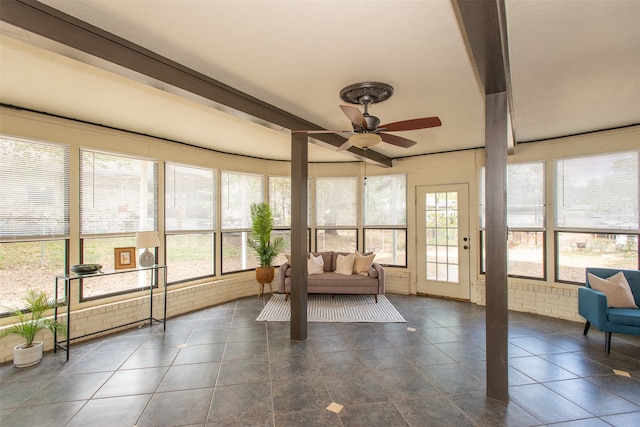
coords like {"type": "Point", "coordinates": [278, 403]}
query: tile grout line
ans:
{"type": "Point", "coordinates": [226, 341]}
{"type": "Point", "coordinates": [159, 382]}
{"type": "Point", "coordinates": [266, 331]}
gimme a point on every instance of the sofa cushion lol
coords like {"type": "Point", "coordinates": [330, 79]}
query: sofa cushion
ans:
{"type": "Point", "coordinates": [362, 263]}
{"type": "Point", "coordinates": [337, 281]}
{"type": "Point", "coordinates": [315, 265]}
{"type": "Point", "coordinates": [625, 316]}
{"type": "Point", "coordinates": [615, 288]}
{"type": "Point", "coordinates": [327, 259]}
{"type": "Point", "coordinates": [344, 264]}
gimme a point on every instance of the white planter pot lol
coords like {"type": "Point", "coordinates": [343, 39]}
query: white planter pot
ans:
{"type": "Point", "coordinates": [27, 356]}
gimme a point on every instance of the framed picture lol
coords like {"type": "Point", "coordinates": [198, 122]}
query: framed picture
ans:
{"type": "Point", "coordinates": [125, 258]}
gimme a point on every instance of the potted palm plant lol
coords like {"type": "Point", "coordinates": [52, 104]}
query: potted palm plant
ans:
{"type": "Point", "coordinates": [260, 241]}
{"type": "Point", "coordinates": [30, 322]}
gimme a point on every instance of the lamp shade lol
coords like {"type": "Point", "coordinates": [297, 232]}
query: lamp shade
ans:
{"type": "Point", "coordinates": [147, 239]}
{"type": "Point", "coordinates": [365, 140]}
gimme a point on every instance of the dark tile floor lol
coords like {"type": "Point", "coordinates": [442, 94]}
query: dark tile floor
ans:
{"type": "Point", "coordinates": [218, 367]}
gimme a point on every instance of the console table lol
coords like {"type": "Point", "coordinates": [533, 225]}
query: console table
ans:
{"type": "Point", "coordinates": [67, 279]}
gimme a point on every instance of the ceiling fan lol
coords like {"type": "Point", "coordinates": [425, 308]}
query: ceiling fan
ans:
{"type": "Point", "coordinates": [367, 130]}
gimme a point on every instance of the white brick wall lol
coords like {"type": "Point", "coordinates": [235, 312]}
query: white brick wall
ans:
{"type": "Point", "coordinates": [397, 281]}
{"type": "Point", "coordinates": [547, 299]}
{"type": "Point", "coordinates": [554, 300]}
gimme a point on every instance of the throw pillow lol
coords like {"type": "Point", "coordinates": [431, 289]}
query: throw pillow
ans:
{"type": "Point", "coordinates": [344, 264]}
{"type": "Point", "coordinates": [315, 265]}
{"type": "Point", "coordinates": [362, 263]}
{"type": "Point", "coordinates": [288, 258]}
{"type": "Point", "coordinates": [616, 288]}
{"type": "Point", "coordinates": [328, 262]}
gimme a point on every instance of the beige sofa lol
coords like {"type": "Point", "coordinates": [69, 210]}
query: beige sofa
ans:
{"type": "Point", "coordinates": [330, 282]}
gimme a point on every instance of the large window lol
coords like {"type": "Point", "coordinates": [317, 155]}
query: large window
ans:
{"type": "Point", "coordinates": [525, 218]}
{"type": "Point", "coordinates": [385, 218]}
{"type": "Point", "coordinates": [596, 213]}
{"type": "Point", "coordinates": [336, 214]}
{"type": "Point", "coordinates": [34, 217]}
{"type": "Point", "coordinates": [190, 206]}
{"type": "Point", "coordinates": [239, 191]}
{"type": "Point", "coordinates": [118, 197]}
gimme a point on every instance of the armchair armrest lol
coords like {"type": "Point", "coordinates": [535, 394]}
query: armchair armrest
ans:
{"type": "Point", "coordinates": [592, 305]}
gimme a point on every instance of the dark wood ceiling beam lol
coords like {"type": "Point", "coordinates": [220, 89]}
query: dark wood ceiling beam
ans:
{"type": "Point", "coordinates": [481, 24]}
{"type": "Point", "coordinates": [484, 26]}
{"type": "Point", "coordinates": [69, 31]}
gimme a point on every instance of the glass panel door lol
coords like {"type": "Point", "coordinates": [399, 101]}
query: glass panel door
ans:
{"type": "Point", "coordinates": [443, 241]}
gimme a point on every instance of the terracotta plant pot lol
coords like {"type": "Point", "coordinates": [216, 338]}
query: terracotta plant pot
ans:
{"type": "Point", "coordinates": [264, 274]}
{"type": "Point", "coordinates": [24, 356]}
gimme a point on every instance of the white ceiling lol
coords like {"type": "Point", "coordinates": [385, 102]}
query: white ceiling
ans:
{"type": "Point", "coordinates": [575, 68]}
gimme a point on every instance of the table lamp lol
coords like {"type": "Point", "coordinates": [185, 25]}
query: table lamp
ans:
{"type": "Point", "coordinates": [146, 240]}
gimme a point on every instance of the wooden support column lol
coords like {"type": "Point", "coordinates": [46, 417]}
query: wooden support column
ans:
{"type": "Point", "coordinates": [497, 315]}
{"type": "Point", "coordinates": [485, 28]}
{"type": "Point", "coordinates": [299, 246]}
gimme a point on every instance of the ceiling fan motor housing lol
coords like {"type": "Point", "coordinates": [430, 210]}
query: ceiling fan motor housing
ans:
{"type": "Point", "coordinates": [372, 122]}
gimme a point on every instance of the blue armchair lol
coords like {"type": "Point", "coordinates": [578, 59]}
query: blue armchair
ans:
{"type": "Point", "coordinates": [592, 305]}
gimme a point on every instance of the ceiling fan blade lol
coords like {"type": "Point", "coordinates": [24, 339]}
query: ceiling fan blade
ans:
{"type": "Point", "coordinates": [355, 115]}
{"type": "Point", "coordinates": [423, 123]}
{"type": "Point", "coordinates": [345, 146]}
{"type": "Point", "coordinates": [397, 140]}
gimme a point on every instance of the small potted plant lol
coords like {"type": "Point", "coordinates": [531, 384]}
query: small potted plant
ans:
{"type": "Point", "coordinates": [266, 249]}
{"type": "Point", "coordinates": [30, 322]}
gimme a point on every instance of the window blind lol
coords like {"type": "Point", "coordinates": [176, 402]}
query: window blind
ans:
{"type": "Point", "coordinates": [34, 189]}
{"type": "Point", "coordinates": [239, 191]}
{"type": "Point", "coordinates": [190, 197]}
{"type": "Point", "coordinates": [599, 192]}
{"type": "Point", "coordinates": [385, 200]}
{"type": "Point", "coordinates": [280, 200]}
{"type": "Point", "coordinates": [525, 196]}
{"type": "Point", "coordinates": [118, 194]}
{"type": "Point", "coordinates": [336, 201]}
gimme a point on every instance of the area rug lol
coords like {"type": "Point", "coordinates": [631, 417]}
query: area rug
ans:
{"type": "Point", "coordinates": [338, 308]}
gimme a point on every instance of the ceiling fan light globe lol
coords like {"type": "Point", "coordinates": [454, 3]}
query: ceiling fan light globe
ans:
{"type": "Point", "coordinates": [365, 140]}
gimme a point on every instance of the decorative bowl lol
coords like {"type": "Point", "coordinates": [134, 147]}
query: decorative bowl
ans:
{"type": "Point", "coordinates": [81, 269]}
